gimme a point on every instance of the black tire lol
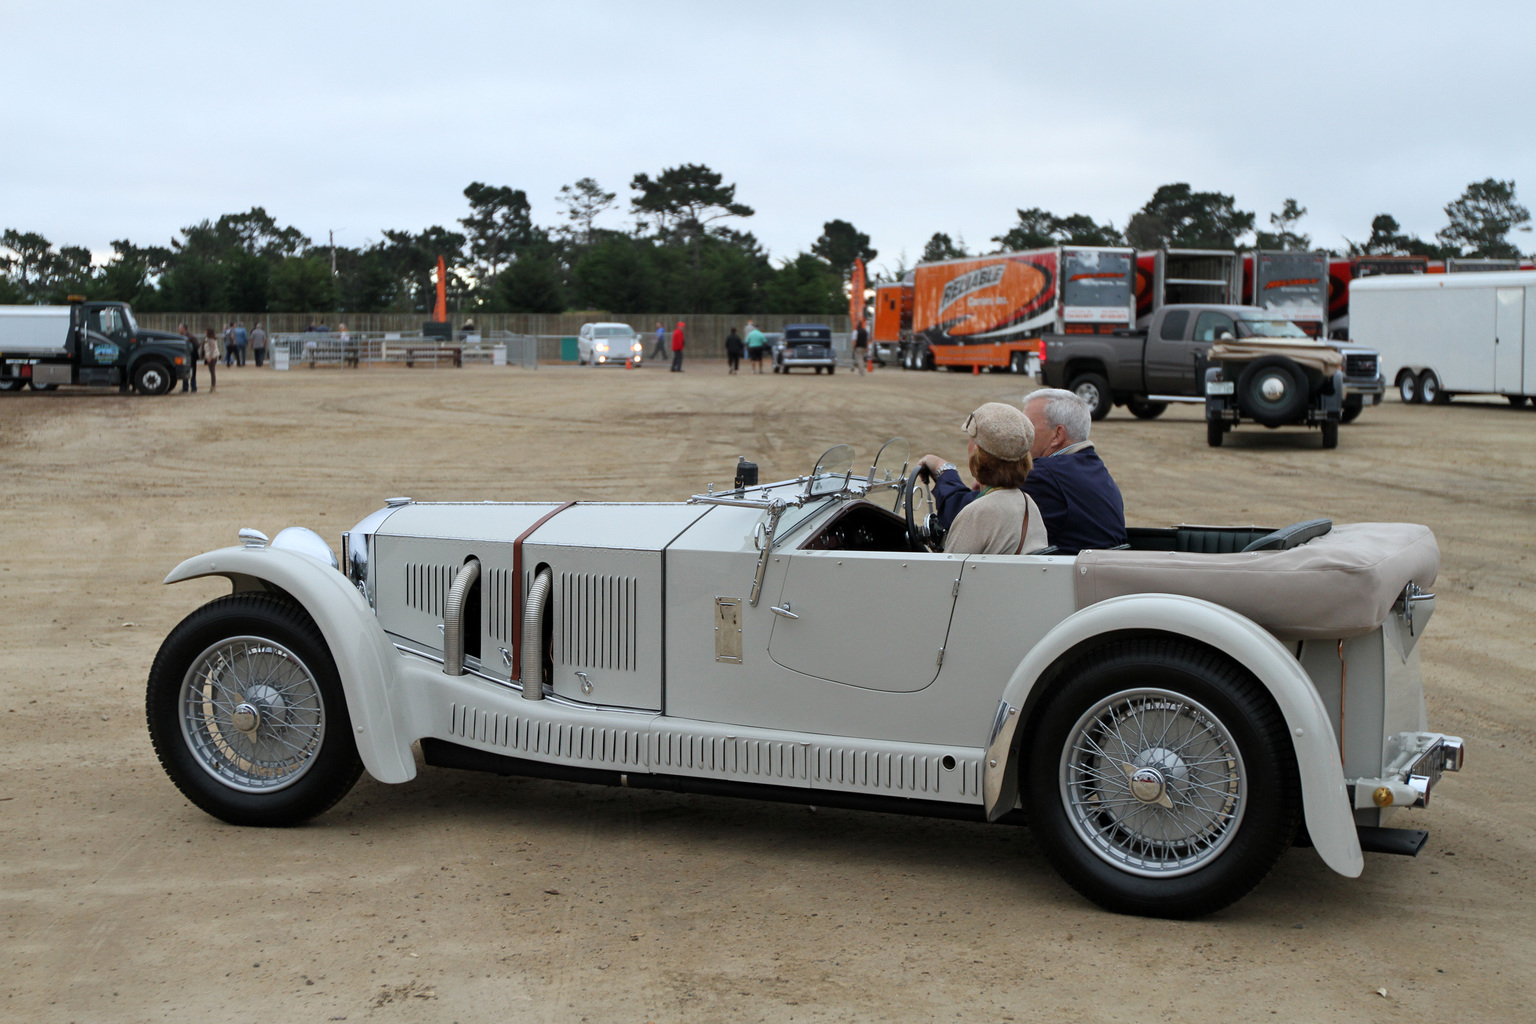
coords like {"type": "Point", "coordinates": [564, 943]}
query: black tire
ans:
{"type": "Point", "coordinates": [1145, 410]}
{"type": "Point", "coordinates": [12, 384]}
{"type": "Point", "coordinates": [831, 370]}
{"type": "Point", "coordinates": [1353, 404]}
{"type": "Point", "coordinates": [1093, 389]}
{"type": "Point", "coordinates": [152, 377]}
{"type": "Point", "coordinates": [1214, 431]}
{"type": "Point", "coordinates": [202, 745]}
{"type": "Point", "coordinates": [1181, 851]}
{"type": "Point", "coordinates": [36, 386]}
{"type": "Point", "coordinates": [1272, 390]}
{"type": "Point", "coordinates": [1330, 433]}
{"type": "Point", "coordinates": [1017, 363]}
{"type": "Point", "coordinates": [1516, 400]}
{"type": "Point", "coordinates": [1430, 391]}
{"type": "Point", "coordinates": [1408, 389]}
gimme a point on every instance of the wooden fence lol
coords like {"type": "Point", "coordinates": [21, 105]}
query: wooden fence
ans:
{"type": "Point", "coordinates": [705, 332]}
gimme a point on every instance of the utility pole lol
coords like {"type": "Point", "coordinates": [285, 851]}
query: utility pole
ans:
{"type": "Point", "coordinates": [332, 233]}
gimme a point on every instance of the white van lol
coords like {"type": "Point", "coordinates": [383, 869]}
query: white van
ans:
{"type": "Point", "coordinates": [1442, 335]}
{"type": "Point", "coordinates": [608, 345]}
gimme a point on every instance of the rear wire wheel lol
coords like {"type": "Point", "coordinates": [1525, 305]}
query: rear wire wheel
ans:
{"type": "Point", "coordinates": [1161, 779]}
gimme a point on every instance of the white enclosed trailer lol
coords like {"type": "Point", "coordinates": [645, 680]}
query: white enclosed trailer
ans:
{"type": "Point", "coordinates": [1441, 335]}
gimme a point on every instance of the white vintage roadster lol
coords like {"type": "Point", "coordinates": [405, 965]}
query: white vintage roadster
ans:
{"type": "Point", "coordinates": [1168, 718]}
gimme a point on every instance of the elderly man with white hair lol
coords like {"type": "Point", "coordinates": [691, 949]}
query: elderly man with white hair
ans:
{"type": "Point", "coordinates": [1078, 499]}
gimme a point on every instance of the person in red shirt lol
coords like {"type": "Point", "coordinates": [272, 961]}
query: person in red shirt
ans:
{"type": "Point", "coordinates": [677, 348]}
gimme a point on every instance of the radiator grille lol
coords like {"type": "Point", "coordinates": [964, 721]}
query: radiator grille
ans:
{"type": "Point", "coordinates": [555, 741]}
{"type": "Point", "coordinates": [1358, 364]}
{"type": "Point", "coordinates": [595, 621]}
{"type": "Point", "coordinates": [426, 586]}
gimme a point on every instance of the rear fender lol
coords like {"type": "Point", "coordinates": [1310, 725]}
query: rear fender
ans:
{"type": "Point", "coordinates": [365, 659]}
{"type": "Point", "coordinates": [1325, 800]}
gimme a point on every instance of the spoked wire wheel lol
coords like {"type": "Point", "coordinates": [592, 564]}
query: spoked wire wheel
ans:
{"type": "Point", "coordinates": [252, 714]}
{"type": "Point", "coordinates": [247, 713]}
{"type": "Point", "coordinates": [1153, 782]}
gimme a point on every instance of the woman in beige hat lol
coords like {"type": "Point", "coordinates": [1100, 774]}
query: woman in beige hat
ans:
{"type": "Point", "coordinates": [1003, 520]}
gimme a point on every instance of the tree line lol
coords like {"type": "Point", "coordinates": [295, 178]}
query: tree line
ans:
{"type": "Point", "coordinates": [686, 251]}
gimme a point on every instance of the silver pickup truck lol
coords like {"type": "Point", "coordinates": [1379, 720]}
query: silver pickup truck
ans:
{"type": "Point", "coordinates": [1144, 371]}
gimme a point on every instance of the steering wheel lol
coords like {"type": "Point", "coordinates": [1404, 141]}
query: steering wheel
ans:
{"type": "Point", "coordinates": [927, 535]}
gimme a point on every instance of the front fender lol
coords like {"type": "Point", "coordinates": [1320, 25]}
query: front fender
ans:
{"type": "Point", "coordinates": [365, 659]}
{"type": "Point", "coordinates": [1325, 800]}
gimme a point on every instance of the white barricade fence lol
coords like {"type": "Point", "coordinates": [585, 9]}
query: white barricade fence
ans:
{"type": "Point", "coordinates": [322, 348]}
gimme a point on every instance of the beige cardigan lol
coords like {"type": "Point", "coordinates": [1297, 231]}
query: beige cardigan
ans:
{"type": "Point", "coordinates": [994, 523]}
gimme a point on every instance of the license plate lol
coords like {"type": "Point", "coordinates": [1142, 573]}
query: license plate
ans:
{"type": "Point", "coordinates": [1220, 387]}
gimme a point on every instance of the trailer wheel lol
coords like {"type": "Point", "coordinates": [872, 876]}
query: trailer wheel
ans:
{"type": "Point", "coordinates": [36, 386]}
{"type": "Point", "coordinates": [1330, 433]}
{"type": "Point", "coordinates": [1272, 390]}
{"type": "Point", "coordinates": [1160, 779]}
{"type": "Point", "coordinates": [152, 377]}
{"type": "Point", "coordinates": [1093, 389]}
{"type": "Point", "coordinates": [1145, 410]}
{"type": "Point", "coordinates": [1516, 400]}
{"type": "Point", "coordinates": [247, 715]}
{"type": "Point", "coordinates": [12, 384]}
{"type": "Point", "coordinates": [1352, 406]}
{"type": "Point", "coordinates": [1214, 430]}
{"type": "Point", "coordinates": [1408, 389]}
{"type": "Point", "coordinates": [1430, 391]}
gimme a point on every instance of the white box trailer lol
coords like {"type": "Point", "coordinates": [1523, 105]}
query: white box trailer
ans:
{"type": "Point", "coordinates": [1442, 335]}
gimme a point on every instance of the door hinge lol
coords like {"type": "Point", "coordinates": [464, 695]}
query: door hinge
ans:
{"type": "Point", "coordinates": [940, 662]}
{"type": "Point", "coordinates": [955, 590]}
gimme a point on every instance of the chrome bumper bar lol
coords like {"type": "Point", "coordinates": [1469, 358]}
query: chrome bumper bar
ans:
{"type": "Point", "coordinates": [1425, 757]}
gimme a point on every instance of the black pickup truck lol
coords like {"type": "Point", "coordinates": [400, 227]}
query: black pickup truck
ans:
{"type": "Point", "coordinates": [1145, 370]}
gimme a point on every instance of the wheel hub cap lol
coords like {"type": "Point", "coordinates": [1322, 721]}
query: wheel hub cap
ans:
{"type": "Point", "coordinates": [1273, 389]}
{"type": "Point", "coordinates": [246, 718]}
{"type": "Point", "coordinates": [1147, 785]}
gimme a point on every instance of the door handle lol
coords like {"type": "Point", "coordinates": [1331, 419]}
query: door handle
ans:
{"type": "Point", "coordinates": [783, 610]}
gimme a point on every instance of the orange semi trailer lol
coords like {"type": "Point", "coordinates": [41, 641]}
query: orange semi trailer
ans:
{"type": "Point", "coordinates": [989, 311]}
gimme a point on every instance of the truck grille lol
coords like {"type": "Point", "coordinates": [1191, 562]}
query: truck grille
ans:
{"type": "Point", "coordinates": [1360, 364]}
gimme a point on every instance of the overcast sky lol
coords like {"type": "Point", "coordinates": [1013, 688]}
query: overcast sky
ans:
{"type": "Point", "coordinates": [135, 119]}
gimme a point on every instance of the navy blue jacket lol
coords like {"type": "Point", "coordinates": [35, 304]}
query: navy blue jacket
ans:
{"type": "Point", "coordinates": [1078, 500]}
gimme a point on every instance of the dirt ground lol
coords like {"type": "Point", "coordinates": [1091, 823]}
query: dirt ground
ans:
{"type": "Point", "coordinates": [466, 897]}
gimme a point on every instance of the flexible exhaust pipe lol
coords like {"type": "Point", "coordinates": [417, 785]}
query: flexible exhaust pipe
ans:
{"type": "Point", "coordinates": [532, 662]}
{"type": "Point", "coordinates": [453, 617]}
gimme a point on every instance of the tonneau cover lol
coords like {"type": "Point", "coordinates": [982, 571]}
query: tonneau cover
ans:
{"type": "Point", "coordinates": [1325, 359]}
{"type": "Point", "coordinates": [1341, 584]}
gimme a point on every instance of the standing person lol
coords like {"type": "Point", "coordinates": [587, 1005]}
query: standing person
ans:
{"type": "Point", "coordinates": [258, 343]}
{"type": "Point", "coordinates": [733, 348]}
{"type": "Point", "coordinates": [242, 339]}
{"type": "Point", "coordinates": [194, 356]}
{"type": "Point", "coordinates": [860, 347]}
{"type": "Point", "coordinates": [229, 344]}
{"type": "Point", "coordinates": [661, 342]}
{"type": "Point", "coordinates": [211, 357]}
{"type": "Point", "coordinates": [677, 348]}
{"type": "Point", "coordinates": [756, 343]}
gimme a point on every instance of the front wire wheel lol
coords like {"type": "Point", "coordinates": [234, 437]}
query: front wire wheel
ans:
{"type": "Point", "coordinates": [1161, 779]}
{"type": "Point", "coordinates": [247, 715]}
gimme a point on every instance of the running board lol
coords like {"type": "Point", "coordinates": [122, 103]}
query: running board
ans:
{"type": "Point", "coordinates": [443, 754]}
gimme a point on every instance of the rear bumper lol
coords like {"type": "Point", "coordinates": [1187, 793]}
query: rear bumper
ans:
{"type": "Point", "coordinates": [1421, 761]}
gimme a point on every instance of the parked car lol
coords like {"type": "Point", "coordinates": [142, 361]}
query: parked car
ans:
{"type": "Point", "coordinates": [808, 345]}
{"type": "Point", "coordinates": [1169, 718]}
{"type": "Point", "coordinates": [604, 344]}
